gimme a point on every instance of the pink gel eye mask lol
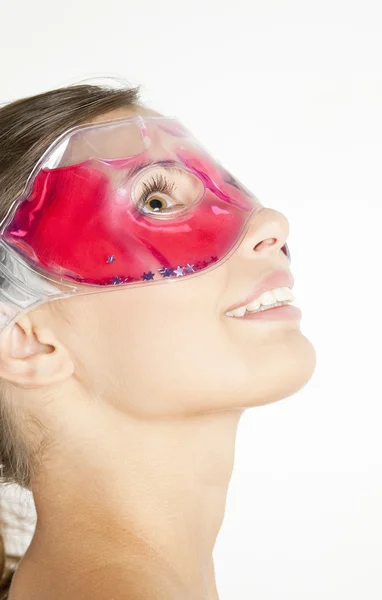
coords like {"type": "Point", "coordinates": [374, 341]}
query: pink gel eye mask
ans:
{"type": "Point", "coordinates": [77, 225]}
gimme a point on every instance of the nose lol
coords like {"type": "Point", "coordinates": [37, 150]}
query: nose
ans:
{"type": "Point", "coordinates": [267, 234]}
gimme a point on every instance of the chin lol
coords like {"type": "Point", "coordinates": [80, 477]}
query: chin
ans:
{"type": "Point", "coordinates": [284, 372]}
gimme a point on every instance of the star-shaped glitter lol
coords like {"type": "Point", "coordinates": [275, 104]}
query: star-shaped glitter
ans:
{"type": "Point", "coordinates": [166, 272]}
{"type": "Point", "coordinates": [116, 280]}
{"type": "Point", "coordinates": [189, 268]}
{"type": "Point", "coordinates": [179, 271]}
{"type": "Point", "coordinates": [214, 259]}
{"type": "Point", "coordinates": [110, 259]}
{"type": "Point", "coordinates": [147, 276]}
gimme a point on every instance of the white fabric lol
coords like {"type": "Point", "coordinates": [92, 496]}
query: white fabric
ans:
{"type": "Point", "coordinates": [18, 516]}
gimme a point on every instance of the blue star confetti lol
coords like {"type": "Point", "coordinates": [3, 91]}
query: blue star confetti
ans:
{"type": "Point", "coordinates": [148, 276]}
{"type": "Point", "coordinates": [166, 272]}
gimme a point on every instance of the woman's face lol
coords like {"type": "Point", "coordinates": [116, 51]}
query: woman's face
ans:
{"type": "Point", "coordinates": [169, 349]}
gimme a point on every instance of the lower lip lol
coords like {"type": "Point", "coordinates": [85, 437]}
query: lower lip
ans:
{"type": "Point", "coordinates": [280, 313]}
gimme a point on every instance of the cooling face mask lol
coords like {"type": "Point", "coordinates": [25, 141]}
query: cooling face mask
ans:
{"type": "Point", "coordinates": [125, 202]}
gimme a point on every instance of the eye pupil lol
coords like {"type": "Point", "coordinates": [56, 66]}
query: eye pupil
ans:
{"type": "Point", "coordinates": [155, 204]}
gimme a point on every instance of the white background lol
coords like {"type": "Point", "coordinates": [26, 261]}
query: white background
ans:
{"type": "Point", "coordinates": [288, 95]}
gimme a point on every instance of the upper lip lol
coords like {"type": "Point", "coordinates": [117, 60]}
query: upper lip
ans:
{"type": "Point", "coordinates": [273, 280]}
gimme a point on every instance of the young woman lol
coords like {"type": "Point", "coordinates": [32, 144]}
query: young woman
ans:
{"type": "Point", "coordinates": [144, 304]}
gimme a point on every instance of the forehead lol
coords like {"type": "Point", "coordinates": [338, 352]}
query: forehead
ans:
{"type": "Point", "coordinates": [126, 112]}
{"type": "Point", "coordinates": [112, 142]}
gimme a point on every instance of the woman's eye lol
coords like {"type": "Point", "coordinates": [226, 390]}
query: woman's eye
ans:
{"type": "Point", "coordinates": [165, 190]}
{"type": "Point", "coordinates": [156, 203]}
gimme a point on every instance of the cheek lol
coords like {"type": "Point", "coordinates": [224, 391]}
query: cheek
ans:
{"type": "Point", "coordinates": [168, 347]}
{"type": "Point", "coordinates": [170, 361]}
{"type": "Point", "coordinates": [168, 341]}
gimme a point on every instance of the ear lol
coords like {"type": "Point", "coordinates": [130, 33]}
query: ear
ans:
{"type": "Point", "coordinates": [31, 356]}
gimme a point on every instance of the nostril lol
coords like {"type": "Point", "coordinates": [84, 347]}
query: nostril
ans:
{"type": "Point", "coordinates": [271, 242]}
{"type": "Point", "coordinates": [267, 242]}
{"type": "Point", "coordinates": [286, 251]}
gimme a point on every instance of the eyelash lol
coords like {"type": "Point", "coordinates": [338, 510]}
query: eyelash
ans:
{"type": "Point", "coordinates": [157, 183]}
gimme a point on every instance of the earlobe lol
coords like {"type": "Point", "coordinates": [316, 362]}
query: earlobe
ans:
{"type": "Point", "coordinates": [32, 357]}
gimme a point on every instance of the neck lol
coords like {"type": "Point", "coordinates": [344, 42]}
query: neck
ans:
{"type": "Point", "coordinates": [138, 503]}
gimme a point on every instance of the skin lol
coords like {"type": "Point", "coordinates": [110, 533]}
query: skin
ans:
{"type": "Point", "coordinates": [141, 391]}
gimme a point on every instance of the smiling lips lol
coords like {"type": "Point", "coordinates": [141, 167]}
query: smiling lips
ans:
{"type": "Point", "coordinates": [274, 290]}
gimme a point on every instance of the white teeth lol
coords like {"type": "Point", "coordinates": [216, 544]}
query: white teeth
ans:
{"type": "Point", "coordinates": [282, 294]}
{"type": "Point", "coordinates": [238, 312]}
{"type": "Point", "coordinates": [255, 305]}
{"type": "Point", "coordinates": [269, 298]}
